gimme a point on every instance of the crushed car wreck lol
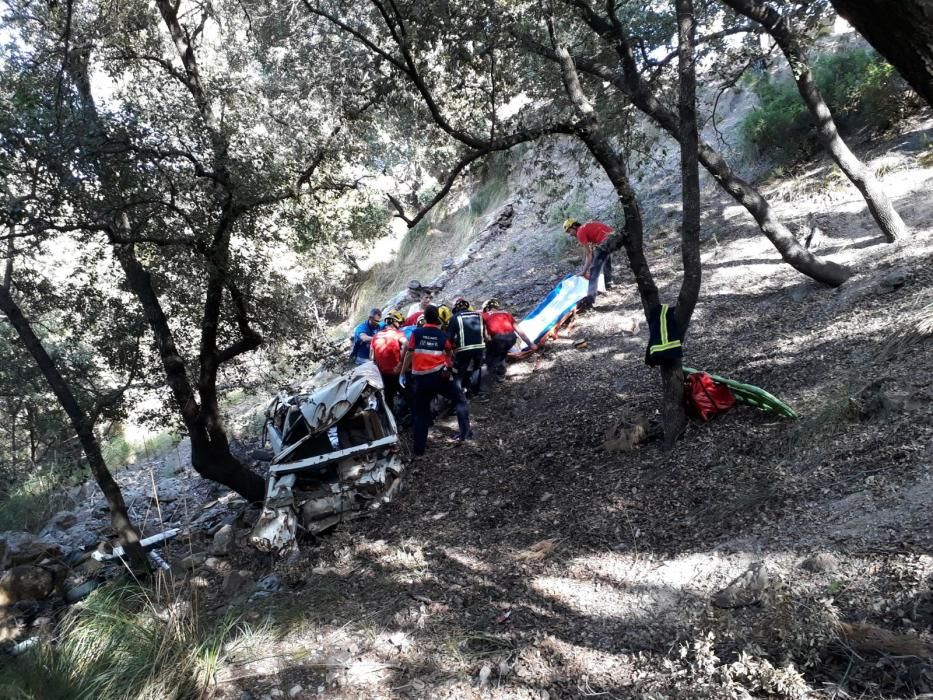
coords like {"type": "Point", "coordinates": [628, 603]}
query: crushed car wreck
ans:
{"type": "Point", "coordinates": [335, 455]}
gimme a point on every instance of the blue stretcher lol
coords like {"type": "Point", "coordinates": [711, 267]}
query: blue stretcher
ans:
{"type": "Point", "coordinates": [553, 309]}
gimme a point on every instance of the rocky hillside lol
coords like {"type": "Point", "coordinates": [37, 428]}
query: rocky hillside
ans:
{"type": "Point", "coordinates": [547, 559]}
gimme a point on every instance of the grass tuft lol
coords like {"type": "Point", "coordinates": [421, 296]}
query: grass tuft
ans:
{"type": "Point", "coordinates": [123, 642]}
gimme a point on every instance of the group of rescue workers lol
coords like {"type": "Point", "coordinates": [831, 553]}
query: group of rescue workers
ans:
{"type": "Point", "coordinates": [440, 350]}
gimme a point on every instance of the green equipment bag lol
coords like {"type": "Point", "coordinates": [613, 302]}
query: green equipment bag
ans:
{"type": "Point", "coordinates": [752, 395]}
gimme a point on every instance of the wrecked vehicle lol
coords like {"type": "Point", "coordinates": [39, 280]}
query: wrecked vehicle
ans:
{"type": "Point", "coordinates": [335, 455]}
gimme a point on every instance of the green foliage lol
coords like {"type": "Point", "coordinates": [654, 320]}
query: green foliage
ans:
{"type": "Point", "coordinates": [493, 187]}
{"type": "Point", "coordinates": [119, 451]}
{"type": "Point", "coordinates": [438, 236]}
{"type": "Point", "coordinates": [33, 501]}
{"type": "Point", "coordinates": [122, 642]}
{"type": "Point", "coordinates": [861, 89]}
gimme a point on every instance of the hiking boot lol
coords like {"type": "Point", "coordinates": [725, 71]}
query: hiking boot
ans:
{"type": "Point", "coordinates": [585, 304]}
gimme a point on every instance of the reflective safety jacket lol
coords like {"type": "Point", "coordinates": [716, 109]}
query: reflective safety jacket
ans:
{"type": "Point", "coordinates": [387, 349]}
{"type": "Point", "coordinates": [429, 345]}
{"type": "Point", "coordinates": [664, 337]}
{"type": "Point", "coordinates": [466, 331]}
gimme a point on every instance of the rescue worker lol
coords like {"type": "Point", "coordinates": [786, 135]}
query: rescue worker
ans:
{"type": "Point", "coordinates": [501, 332]}
{"type": "Point", "coordinates": [468, 334]}
{"type": "Point", "coordinates": [415, 310]}
{"type": "Point", "coordinates": [429, 357]}
{"type": "Point", "coordinates": [386, 351]}
{"type": "Point", "coordinates": [597, 258]}
{"type": "Point", "coordinates": [363, 335]}
{"type": "Point", "coordinates": [445, 314]}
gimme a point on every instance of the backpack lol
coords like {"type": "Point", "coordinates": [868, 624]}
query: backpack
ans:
{"type": "Point", "coordinates": [387, 349]}
{"type": "Point", "coordinates": [705, 398]}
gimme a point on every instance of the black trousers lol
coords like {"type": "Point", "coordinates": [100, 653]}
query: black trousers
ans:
{"type": "Point", "coordinates": [426, 387]}
{"type": "Point", "coordinates": [391, 389]}
{"type": "Point", "coordinates": [469, 367]}
{"type": "Point", "coordinates": [497, 349]}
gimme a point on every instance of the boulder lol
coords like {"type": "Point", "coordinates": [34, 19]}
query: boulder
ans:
{"type": "Point", "coordinates": [25, 548]}
{"type": "Point", "coordinates": [28, 582]}
{"type": "Point", "coordinates": [235, 582]}
{"type": "Point", "coordinates": [79, 494]}
{"type": "Point", "coordinates": [223, 541]}
{"type": "Point", "coordinates": [193, 561]}
{"type": "Point", "coordinates": [893, 279]}
{"type": "Point", "coordinates": [64, 520]}
{"type": "Point", "coordinates": [745, 589]}
{"type": "Point", "coordinates": [10, 627]}
{"type": "Point", "coordinates": [168, 491]}
{"type": "Point", "coordinates": [821, 562]}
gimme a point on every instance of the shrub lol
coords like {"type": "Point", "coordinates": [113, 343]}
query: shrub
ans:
{"type": "Point", "coordinates": [861, 89]}
{"type": "Point", "coordinates": [30, 504]}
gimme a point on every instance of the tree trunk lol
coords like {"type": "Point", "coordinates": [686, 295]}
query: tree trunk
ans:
{"type": "Point", "coordinates": [13, 445]}
{"type": "Point", "coordinates": [674, 408]}
{"type": "Point", "coordinates": [210, 451]}
{"type": "Point", "coordinates": [631, 239]}
{"type": "Point", "coordinates": [673, 411]}
{"type": "Point", "coordinates": [632, 85]}
{"type": "Point", "coordinates": [901, 31]}
{"type": "Point", "coordinates": [861, 176]}
{"type": "Point", "coordinates": [589, 131]}
{"type": "Point", "coordinates": [210, 457]}
{"type": "Point", "coordinates": [119, 518]}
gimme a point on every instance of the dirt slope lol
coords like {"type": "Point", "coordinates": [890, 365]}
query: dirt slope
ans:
{"type": "Point", "coordinates": [449, 592]}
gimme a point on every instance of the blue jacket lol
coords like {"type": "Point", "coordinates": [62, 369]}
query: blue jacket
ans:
{"type": "Point", "coordinates": [361, 347]}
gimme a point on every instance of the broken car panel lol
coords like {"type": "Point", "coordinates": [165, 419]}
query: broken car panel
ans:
{"type": "Point", "coordinates": [335, 456]}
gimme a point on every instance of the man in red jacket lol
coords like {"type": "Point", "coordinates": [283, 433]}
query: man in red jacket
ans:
{"type": "Point", "coordinates": [386, 351]}
{"type": "Point", "coordinates": [592, 236]}
{"type": "Point", "coordinates": [501, 333]}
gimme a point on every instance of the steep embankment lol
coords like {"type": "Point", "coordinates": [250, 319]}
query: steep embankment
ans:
{"type": "Point", "coordinates": [536, 563]}
{"type": "Point", "coordinates": [465, 248]}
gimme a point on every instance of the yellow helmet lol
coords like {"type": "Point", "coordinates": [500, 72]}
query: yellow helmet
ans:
{"type": "Point", "coordinates": [569, 223]}
{"type": "Point", "coordinates": [444, 312]}
{"type": "Point", "coordinates": [395, 315]}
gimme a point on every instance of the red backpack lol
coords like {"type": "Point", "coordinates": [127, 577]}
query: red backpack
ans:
{"type": "Point", "coordinates": [387, 349]}
{"type": "Point", "coordinates": [705, 398]}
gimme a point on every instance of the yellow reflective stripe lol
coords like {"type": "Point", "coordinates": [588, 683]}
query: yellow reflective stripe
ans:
{"type": "Point", "coordinates": [665, 346]}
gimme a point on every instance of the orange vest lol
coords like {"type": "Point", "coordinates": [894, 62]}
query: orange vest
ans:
{"type": "Point", "coordinates": [429, 349]}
